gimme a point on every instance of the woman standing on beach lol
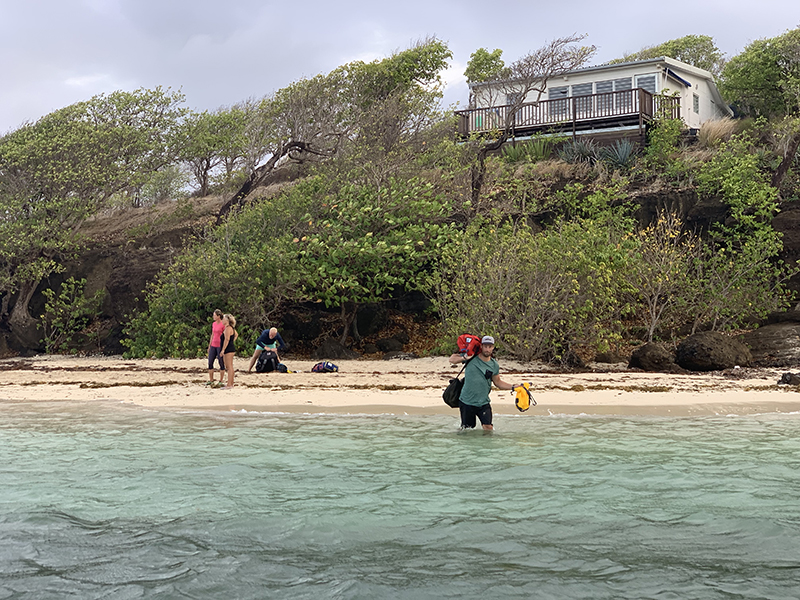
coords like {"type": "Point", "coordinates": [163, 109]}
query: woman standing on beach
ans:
{"type": "Point", "coordinates": [229, 336]}
{"type": "Point", "coordinates": [215, 347]}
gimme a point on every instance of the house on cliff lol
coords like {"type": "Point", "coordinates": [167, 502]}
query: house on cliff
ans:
{"type": "Point", "coordinates": [611, 101]}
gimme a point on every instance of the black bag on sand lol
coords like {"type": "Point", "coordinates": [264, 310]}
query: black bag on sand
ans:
{"type": "Point", "coordinates": [267, 362]}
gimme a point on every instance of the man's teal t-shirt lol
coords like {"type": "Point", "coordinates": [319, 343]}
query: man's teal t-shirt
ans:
{"type": "Point", "coordinates": [476, 383]}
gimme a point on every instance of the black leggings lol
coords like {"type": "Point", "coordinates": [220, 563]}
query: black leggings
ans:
{"type": "Point", "coordinates": [215, 352]}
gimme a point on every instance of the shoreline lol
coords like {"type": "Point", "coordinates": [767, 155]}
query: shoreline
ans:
{"type": "Point", "coordinates": [394, 387]}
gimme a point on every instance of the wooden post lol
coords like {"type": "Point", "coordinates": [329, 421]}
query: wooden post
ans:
{"type": "Point", "coordinates": [641, 104]}
{"type": "Point", "coordinates": [574, 116]}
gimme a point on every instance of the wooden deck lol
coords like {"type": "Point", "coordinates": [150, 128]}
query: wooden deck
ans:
{"type": "Point", "coordinates": [627, 108]}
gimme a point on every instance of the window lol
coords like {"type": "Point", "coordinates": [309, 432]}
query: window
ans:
{"type": "Point", "coordinates": [583, 101]}
{"type": "Point", "coordinates": [647, 82]}
{"type": "Point", "coordinates": [558, 104]}
{"type": "Point", "coordinates": [623, 100]}
{"type": "Point", "coordinates": [696, 104]}
{"type": "Point", "coordinates": [605, 101]}
{"type": "Point", "coordinates": [583, 89]}
{"type": "Point", "coordinates": [622, 84]}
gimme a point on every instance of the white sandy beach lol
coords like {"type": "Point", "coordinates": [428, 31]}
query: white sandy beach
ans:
{"type": "Point", "coordinates": [391, 387]}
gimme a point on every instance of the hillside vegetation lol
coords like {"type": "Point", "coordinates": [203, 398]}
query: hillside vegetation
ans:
{"type": "Point", "coordinates": [543, 243]}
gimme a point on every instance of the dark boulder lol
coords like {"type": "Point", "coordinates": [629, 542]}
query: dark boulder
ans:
{"type": "Point", "coordinates": [776, 345]}
{"type": "Point", "coordinates": [789, 379]}
{"type": "Point", "coordinates": [389, 345]}
{"type": "Point", "coordinates": [712, 351]}
{"type": "Point", "coordinates": [332, 349]}
{"type": "Point", "coordinates": [609, 358]}
{"type": "Point", "coordinates": [653, 357]}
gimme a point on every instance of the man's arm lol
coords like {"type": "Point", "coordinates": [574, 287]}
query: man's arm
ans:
{"type": "Point", "coordinates": [457, 359]}
{"type": "Point", "coordinates": [281, 345]}
{"type": "Point", "coordinates": [502, 385]}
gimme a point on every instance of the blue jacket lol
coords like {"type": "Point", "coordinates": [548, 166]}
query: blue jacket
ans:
{"type": "Point", "coordinates": [264, 340]}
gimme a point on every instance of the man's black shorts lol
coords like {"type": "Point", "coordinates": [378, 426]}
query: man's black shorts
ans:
{"type": "Point", "coordinates": [469, 412]}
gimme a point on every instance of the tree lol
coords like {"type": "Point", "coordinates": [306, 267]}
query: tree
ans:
{"type": "Point", "coordinates": [58, 171]}
{"type": "Point", "coordinates": [485, 66]}
{"type": "Point", "coordinates": [528, 76]}
{"type": "Point", "coordinates": [366, 243]}
{"type": "Point", "coordinates": [764, 80]}
{"type": "Point", "coordinates": [210, 140]}
{"type": "Point", "coordinates": [313, 119]}
{"type": "Point", "coordinates": [697, 50]}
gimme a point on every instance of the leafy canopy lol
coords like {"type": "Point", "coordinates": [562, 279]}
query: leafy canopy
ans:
{"type": "Point", "coordinates": [697, 50]}
{"type": "Point", "coordinates": [486, 66]}
{"type": "Point", "coordinates": [58, 171]}
{"type": "Point", "coordinates": [764, 80]}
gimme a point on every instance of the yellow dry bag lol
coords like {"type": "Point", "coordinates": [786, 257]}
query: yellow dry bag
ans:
{"type": "Point", "coordinates": [524, 399]}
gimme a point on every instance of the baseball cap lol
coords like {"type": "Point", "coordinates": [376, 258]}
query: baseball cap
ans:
{"type": "Point", "coordinates": [487, 339]}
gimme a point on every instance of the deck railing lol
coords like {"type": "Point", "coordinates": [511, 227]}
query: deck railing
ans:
{"type": "Point", "coordinates": [573, 112]}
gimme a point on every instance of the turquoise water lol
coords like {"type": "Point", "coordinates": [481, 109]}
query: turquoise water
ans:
{"type": "Point", "coordinates": [109, 502]}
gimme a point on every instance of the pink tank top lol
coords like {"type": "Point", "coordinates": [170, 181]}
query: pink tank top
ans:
{"type": "Point", "coordinates": [217, 328]}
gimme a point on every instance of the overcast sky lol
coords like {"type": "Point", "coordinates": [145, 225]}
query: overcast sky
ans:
{"type": "Point", "coordinates": [56, 52]}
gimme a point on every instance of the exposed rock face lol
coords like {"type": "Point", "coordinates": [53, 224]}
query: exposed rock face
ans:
{"type": "Point", "coordinates": [775, 345]}
{"type": "Point", "coordinates": [712, 351]}
{"type": "Point", "coordinates": [653, 357]}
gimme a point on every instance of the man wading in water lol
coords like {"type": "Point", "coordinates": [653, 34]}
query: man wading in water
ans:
{"type": "Point", "coordinates": [479, 375]}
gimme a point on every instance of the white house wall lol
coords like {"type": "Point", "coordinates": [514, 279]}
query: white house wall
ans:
{"type": "Point", "coordinates": [707, 109]}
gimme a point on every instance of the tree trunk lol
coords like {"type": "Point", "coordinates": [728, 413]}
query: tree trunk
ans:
{"type": "Point", "coordinates": [479, 170]}
{"type": "Point", "coordinates": [788, 159]}
{"type": "Point", "coordinates": [258, 176]}
{"type": "Point", "coordinates": [348, 317]}
{"type": "Point", "coordinates": [356, 334]}
{"type": "Point", "coordinates": [22, 324]}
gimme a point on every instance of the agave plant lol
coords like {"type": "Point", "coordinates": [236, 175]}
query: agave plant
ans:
{"type": "Point", "coordinates": [579, 151]}
{"type": "Point", "coordinates": [619, 156]}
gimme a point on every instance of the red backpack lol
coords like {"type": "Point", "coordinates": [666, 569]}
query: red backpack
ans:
{"type": "Point", "coordinates": [468, 344]}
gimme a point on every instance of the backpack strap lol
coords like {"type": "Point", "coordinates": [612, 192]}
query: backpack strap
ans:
{"type": "Point", "coordinates": [469, 360]}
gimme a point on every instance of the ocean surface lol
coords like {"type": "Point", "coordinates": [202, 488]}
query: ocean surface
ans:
{"type": "Point", "coordinates": [110, 502]}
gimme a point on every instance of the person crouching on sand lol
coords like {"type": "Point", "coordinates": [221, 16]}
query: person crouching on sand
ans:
{"type": "Point", "coordinates": [229, 336]}
{"type": "Point", "coordinates": [215, 347]}
{"type": "Point", "coordinates": [269, 340]}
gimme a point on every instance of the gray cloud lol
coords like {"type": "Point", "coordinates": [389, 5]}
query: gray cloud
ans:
{"type": "Point", "coordinates": [56, 52]}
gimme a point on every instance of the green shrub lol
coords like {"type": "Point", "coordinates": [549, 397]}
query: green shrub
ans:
{"type": "Point", "coordinates": [542, 296]}
{"type": "Point", "coordinates": [67, 313]}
